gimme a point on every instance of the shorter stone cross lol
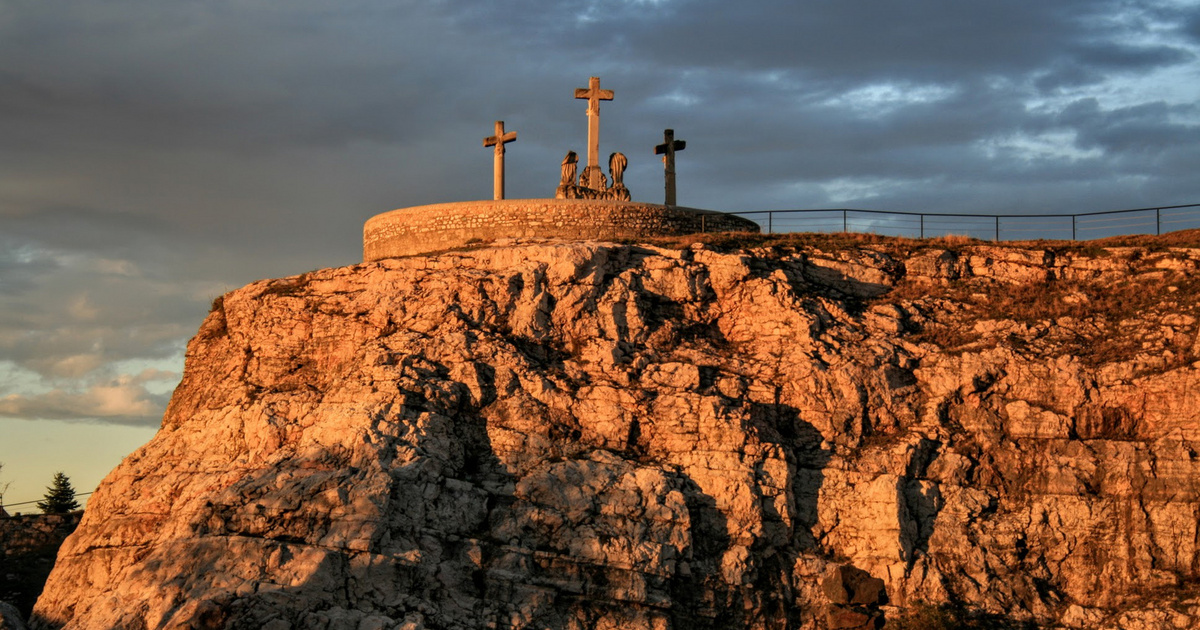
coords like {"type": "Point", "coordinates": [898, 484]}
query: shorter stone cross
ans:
{"type": "Point", "coordinates": [667, 149]}
{"type": "Point", "coordinates": [499, 140]}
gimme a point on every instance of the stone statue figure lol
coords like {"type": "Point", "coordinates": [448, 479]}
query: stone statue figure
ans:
{"type": "Point", "coordinates": [569, 164]}
{"type": "Point", "coordinates": [616, 166]}
{"type": "Point", "coordinates": [570, 187]}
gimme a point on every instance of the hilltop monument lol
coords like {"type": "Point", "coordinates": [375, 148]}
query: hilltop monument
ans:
{"type": "Point", "coordinates": [592, 184]}
{"type": "Point", "coordinates": [587, 205]}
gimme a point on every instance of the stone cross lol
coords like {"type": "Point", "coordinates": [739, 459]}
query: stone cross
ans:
{"type": "Point", "coordinates": [592, 176]}
{"type": "Point", "coordinates": [667, 149]}
{"type": "Point", "coordinates": [499, 140]}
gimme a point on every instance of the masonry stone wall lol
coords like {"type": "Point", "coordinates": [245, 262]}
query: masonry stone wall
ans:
{"type": "Point", "coordinates": [28, 546]}
{"type": "Point", "coordinates": [424, 229]}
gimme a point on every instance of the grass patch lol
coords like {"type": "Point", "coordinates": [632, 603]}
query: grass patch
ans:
{"type": "Point", "coordinates": [734, 241]}
{"type": "Point", "coordinates": [1106, 321]}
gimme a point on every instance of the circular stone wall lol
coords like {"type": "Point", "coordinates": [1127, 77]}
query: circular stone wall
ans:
{"type": "Point", "coordinates": [424, 229]}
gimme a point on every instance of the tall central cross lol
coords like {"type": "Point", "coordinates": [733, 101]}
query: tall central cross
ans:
{"type": "Point", "coordinates": [667, 149]}
{"type": "Point", "coordinates": [499, 140]}
{"type": "Point", "coordinates": [591, 173]}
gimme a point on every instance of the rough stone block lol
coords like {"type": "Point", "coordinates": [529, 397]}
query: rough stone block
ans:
{"type": "Point", "coordinates": [846, 584]}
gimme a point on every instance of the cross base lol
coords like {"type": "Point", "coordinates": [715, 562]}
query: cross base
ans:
{"type": "Point", "coordinates": [570, 188]}
{"type": "Point", "coordinates": [616, 193]}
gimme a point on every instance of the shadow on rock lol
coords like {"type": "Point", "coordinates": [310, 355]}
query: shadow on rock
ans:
{"type": "Point", "coordinates": [28, 546]}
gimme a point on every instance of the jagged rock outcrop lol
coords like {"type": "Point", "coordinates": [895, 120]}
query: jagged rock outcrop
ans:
{"type": "Point", "coordinates": [854, 598]}
{"type": "Point", "coordinates": [590, 435]}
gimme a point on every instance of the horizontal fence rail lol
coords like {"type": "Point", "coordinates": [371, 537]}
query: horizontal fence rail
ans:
{"type": "Point", "coordinates": [12, 505]}
{"type": "Point", "coordinates": [1008, 227]}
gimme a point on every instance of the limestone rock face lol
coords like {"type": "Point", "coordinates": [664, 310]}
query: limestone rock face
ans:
{"type": "Point", "coordinates": [589, 435]}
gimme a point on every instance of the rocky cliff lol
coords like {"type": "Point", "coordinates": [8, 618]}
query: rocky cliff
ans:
{"type": "Point", "coordinates": [805, 433]}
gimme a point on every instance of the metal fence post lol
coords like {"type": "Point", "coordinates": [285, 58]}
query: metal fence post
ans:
{"type": "Point", "coordinates": [1073, 217]}
{"type": "Point", "coordinates": [770, 223]}
{"type": "Point", "coordinates": [1158, 220]}
{"type": "Point", "coordinates": [844, 229]}
{"type": "Point", "coordinates": [922, 226]}
{"type": "Point", "coordinates": [997, 228]}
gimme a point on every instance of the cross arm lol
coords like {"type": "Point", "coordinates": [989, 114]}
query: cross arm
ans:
{"type": "Point", "coordinates": [500, 137]}
{"type": "Point", "coordinates": [492, 140]}
{"type": "Point", "coordinates": [603, 95]}
{"type": "Point", "coordinates": [677, 145]}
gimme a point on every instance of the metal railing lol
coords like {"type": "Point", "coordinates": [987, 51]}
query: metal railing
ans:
{"type": "Point", "coordinates": [996, 227]}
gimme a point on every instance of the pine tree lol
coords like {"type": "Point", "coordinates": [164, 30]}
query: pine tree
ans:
{"type": "Point", "coordinates": [60, 497]}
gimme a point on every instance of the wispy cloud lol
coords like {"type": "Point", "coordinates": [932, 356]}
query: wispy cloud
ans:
{"type": "Point", "coordinates": [123, 399]}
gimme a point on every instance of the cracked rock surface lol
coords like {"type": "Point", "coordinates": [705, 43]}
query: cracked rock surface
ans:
{"type": "Point", "coordinates": [548, 434]}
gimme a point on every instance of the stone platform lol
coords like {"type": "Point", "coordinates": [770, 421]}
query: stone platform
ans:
{"type": "Point", "coordinates": [425, 229]}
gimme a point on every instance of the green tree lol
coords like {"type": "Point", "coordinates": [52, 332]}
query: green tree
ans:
{"type": "Point", "coordinates": [60, 496]}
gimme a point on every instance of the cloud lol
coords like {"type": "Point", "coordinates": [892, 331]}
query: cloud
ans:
{"type": "Point", "coordinates": [122, 400]}
{"type": "Point", "coordinates": [19, 266]}
{"type": "Point", "coordinates": [73, 311]}
{"type": "Point", "coordinates": [279, 121]}
{"type": "Point", "coordinates": [1143, 131]}
{"type": "Point", "coordinates": [158, 154]}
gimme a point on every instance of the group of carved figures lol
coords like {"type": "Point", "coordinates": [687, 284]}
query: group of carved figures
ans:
{"type": "Point", "coordinates": [573, 187]}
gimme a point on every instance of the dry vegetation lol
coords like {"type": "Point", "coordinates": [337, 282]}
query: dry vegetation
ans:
{"type": "Point", "coordinates": [1094, 321]}
{"type": "Point", "coordinates": [732, 241]}
{"type": "Point", "coordinates": [1147, 314]}
{"type": "Point", "coordinates": [951, 617]}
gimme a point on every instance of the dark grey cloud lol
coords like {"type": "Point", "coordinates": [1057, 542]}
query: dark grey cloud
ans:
{"type": "Point", "coordinates": [1191, 27]}
{"type": "Point", "coordinates": [159, 153]}
{"type": "Point", "coordinates": [1143, 133]}
{"type": "Point", "coordinates": [851, 41]}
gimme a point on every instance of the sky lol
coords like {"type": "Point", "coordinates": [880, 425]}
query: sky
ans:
{"type": "Point", "coordinates": [155, 154]}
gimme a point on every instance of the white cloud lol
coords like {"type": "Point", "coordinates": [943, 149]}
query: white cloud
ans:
{"type": "Point", "coordinates": [884, 98]}
{"type": "Point", "coordinates": [75, 365]}
{"type": "Point", "coordinates": [858, 188]}
{"type": "Point", "coordinates": [124, 399]}
{"type": "Point", "coordinates": [1052, 145]}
